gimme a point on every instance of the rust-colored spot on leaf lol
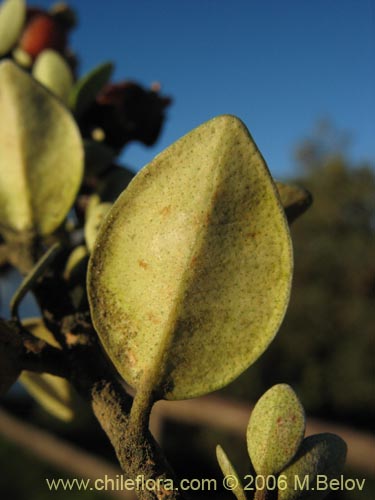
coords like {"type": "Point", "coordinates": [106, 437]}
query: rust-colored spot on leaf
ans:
{"type": "Point", "coordinates": [132, 360]}
{"type": "Point", "coordinates": [193, 261]}
{"type": "Point", "coordinates": [202, 219]}
{"type": "Point", "coordinates": [143, 264]}
{"type": "Point", "coordinates": [166, 210]}
{"type": "Point", "coordinates": [154, 319]}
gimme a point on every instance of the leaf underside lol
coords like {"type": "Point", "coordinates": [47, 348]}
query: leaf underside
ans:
{"type": "Point", "coordinates": [12, 18]}
{"type": "Point", "coordinates": [53, 393]}
{"type": "Point", "coordinates": [52, 70]}
{"type": "Point", "coordinates": [190, 275]}
{"type": "Point", "coordinates": [276, 429]}
{"type": "Point", "coordinates": [41, 161]}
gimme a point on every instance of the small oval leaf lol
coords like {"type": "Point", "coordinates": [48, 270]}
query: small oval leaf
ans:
{"type": "Point", "coordinates": [75, 262]}
{"type": "Point", "coordinates": [54, 394]}
{"type": "Point", "coordinates": [52, 71]}
{"type": "Point", "coordinates": [12, 19]}
{"type": "Point", "coordinates": [94, 221]}
{"type": "Point", "coordinates": [38, 329]}
{"type": "Point", "coordinates": [190, 276]}
{"type": "Point", "coordinates": [22, 58]}
{"type": "Point", "coordinates": [319, 454]}
{"type": "Point", "coordinates": [75, 276]}
{"type": "Point", "coordinates": [276, 429]}
{"type": "Point", "coordinates": [295, 200]}
{"type": "Point", "coordinates": [228, 470]}
{"type": "Point", "coordinates": [87, 88]}
{"type": "Point", "coordinates": [32, 277]}
{"type": "Point", "coordinates": [41, 162]}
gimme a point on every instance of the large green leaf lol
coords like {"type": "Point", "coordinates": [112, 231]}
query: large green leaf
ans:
{"type": "Point", "coordinates": [12, 19]}
{"type": "Point", "coordinates": [321, 454]}
{"type": "Point", "coordinates": [190, 275]}
{"type": "Point", "coordinates": [52, 70]}
{"type": "Point", "coordinates": [276, 429]}
{"type": "Point", "coordinates": [41, 155]}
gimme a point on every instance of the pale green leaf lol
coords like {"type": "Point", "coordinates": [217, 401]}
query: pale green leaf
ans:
{"type": "Point", "coordinates": [75, 275]}
{"type": "Point", "coordinates": [276, 429]}
{"type": "Point", "coordinates": [22, 58]}
{"type": "Point", "coordinates": [12, 19]}
{"type": "Point", "coordinates": [190, 276]}
{"type": "Point", "coordinates": [52, 71]}
{"type": "Point", "coordinates": [92, 202]}
{"type": "Point", "coordinates": [86, 89]}
{"type": "Point", "coordinates": [94, 220]}
{"type": "Point", "coordinates": [41, 161]}
{"type": "Point", "coordinates": [32, 277]}
{"type": "Point", "coordinates": [54, 394]}
{"type": "Point", "coordinates": [321, 454]}
{"type": "Point", "coordinates": [230, 474]}
{"type": "Point", "coordinates": [38, 329]}
{"type": "Point", "coordinates": [75, 261]}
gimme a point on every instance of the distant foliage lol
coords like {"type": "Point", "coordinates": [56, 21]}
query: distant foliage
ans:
{"type": "Point", "coordinates": [325, 348]}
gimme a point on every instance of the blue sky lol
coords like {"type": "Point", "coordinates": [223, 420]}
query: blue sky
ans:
{"type": "Point", "coordinates": [280, 65]}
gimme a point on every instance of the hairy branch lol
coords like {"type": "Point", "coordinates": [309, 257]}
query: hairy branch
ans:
{"type": "Point", "coordinates": [137, 451]}
{"type": "Point", "coordinates": [29, 352]}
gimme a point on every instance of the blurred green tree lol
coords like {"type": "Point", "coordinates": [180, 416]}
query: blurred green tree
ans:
{"type": "Point", "coordinates": [325, 346]}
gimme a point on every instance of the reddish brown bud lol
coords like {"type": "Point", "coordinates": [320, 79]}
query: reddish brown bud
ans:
{"type": "Point", "coordinates": [42, 32]}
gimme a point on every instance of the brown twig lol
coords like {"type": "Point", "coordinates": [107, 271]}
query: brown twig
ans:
{"type": "Point", "coordinates": [137, 451]}
{"type": "Point", "coordinates": [32, 354]}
